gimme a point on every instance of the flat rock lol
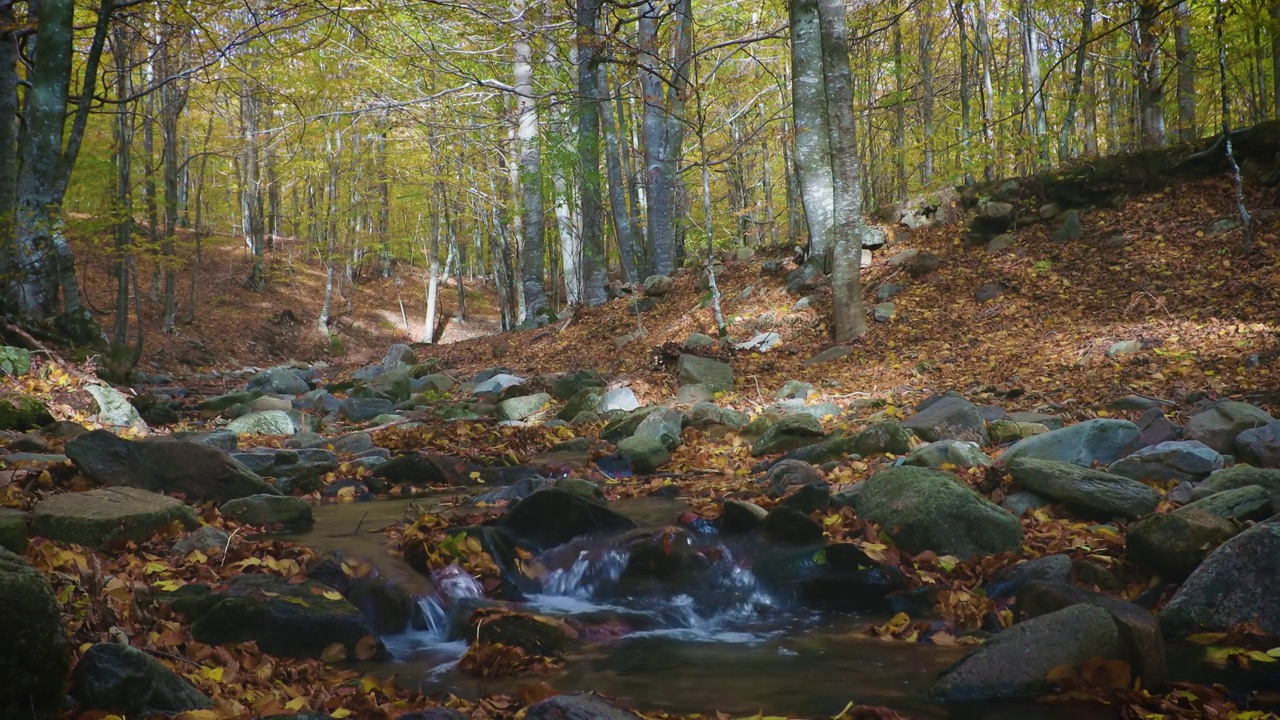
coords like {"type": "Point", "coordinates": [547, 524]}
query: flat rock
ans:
{"type": "Point", "coordinates": [694, 369]}
{"type": "Point", "coordinates": [1237, 583]}
{"type": "Point", "coordinates": [1219, 424]}
{"type": "Point", "coordinates": [1238, 476]}
{"type": "Point", "coordinates": [270, 510]}
{"type": "Point", "coordinates": [267, 422]}
{"type": "Point", "coordinates": [1090, 492]}
{"type": "Point", "coordinates": [1103, 441]}
{"type": "Point", "coordinates": [948, 417]}
{"type": "Point", "coordinates": [1176, 460]}
{"type": "Point", "coordinates": [100, 518]}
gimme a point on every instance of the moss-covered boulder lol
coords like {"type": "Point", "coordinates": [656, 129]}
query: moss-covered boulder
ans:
{"type": "Point", "coordinates": [123, 679]}
{"type": "Point", "coordinates": [22, 412]}
{"type": "Point", "coordinates": [34, 657]}
{"type": "Point", "coordinates": [107, 516]}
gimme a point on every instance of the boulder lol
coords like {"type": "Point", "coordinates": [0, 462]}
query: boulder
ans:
{"type": "Point", "coordinates": [922, 509]}
{"type": "Point", "coordinates": [207, 539]}
{"type": "Point", "coordinates": [960, 453]}
{"type": "Point", "coordinates": [705, 415]}
{"type": "Point", "coordinates": [1260, 446]}
{"type": "Point", "coordinates": [948, 417]}
{"type": "Point", "coordinates": [1237, 583]}
{"type": "Point", "coordinates": [288, 619]}
{"type": "Point", "coordinates": [525, 406]}
{"type": "Point", "coordinates": [123, 679]}
{"type": "Point", "coordinates": [1103, 441]}
{"type": "Point", "coordinates": [884, 312]}
{"type": "Point", "coordinates": [114, 409]}
{"type": "Point", "coordinates": [197, 471]}
{"type": "Point", "coordinates": [878, 438]}
{"type": "Point", "coordinates": [788, 473]}
{"type": "Point", "coordinates": [1005, 431]}
{"type": "Point", "coordinates": [658, 285]}
{"type": "Point", "coordinates": [1250, 502]}
{"type": "Point", "coordinates": [810, 498]}
{"type": "Point", "coordinates": [698, 340]}
{"type": "Point", "coordinates": [1176, 460]}
{"type": "Point", "coordinates": [795, 390]}
{"type": "Point", "coordinates": [1172, 545]}
{"type": "Point", "coordinates": [270, 510]}
{"type": "Point", "coordinates": [267, 422]}
{"type": "Point", "coordinates": [624, 426]}
{"type": "Point", "coordinates": [553, 517]}
{"type": "Point", "coordinates": [585, 400]}
{"type": "Point", "coordinates": [1219, 424]}
{"type": "Point", "coordinates": [693, 369]}
{"type": "Point", "coordinates": [106, 516]}
{"type": "Point", "coordinates": [664, 425]}
{"type": "Point", "coordinates": [34, 657]}
{"type": "Point", "coordinates": [786, 524]}
{"type": "Point", "coordinates": [495, 384]}
{"type": "Point", "coordinates": [923, 264]}
{"type": "Point", "coordinates": [571, 383]}
{"type": "Point", "coordinates": [426, 469]}
{"type": "Point", "coordinates": [644, 455]}
{"type": "Point", "coordinates": [788, 433]}
{"type": "Point", "coordinates": [1070, 229]}
{"type": "Point", "coordinates": [1016, 663]}
{"type": "Point", "coordinates": [1238, 476]}
{"type": "Point", "coordinates": [576, 707]}
{"type": "Point", "coordinates": [619, 399]}
{"type": "Point", "coordinates": [22, 412]}
{"type": "Point", "coordinates": [1050, 568]}
{"type": "Point", "coordinates": [301, 464]}
{"type": "Point", "coordinates": [13, 530]}
{"type": "Point", "coordinates": [279, 381]}
{"type": "Point", "coordinates": [1090, 492]}
{"type": "Point", "coordinates": [364, 409]}
{"type": "Point", "coordinates": [437, 383]}
{"type": "Point", "coordinates": [740, 516]}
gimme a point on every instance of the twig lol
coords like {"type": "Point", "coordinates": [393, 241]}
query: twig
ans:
{"type": "Point", "coordinates": [175, 658]}
{"type": "Point", "coordinates": [227, 547]}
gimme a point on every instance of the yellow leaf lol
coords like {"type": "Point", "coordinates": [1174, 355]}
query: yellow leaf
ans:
{"type": "Point", "coordinates": [296, 704]}
{"type": "Point", "coordinates": [332, 594]}
{"type": "Point", "coordinates": [340, 713]}
{"type": "Point", "coordinates": [214, 674]}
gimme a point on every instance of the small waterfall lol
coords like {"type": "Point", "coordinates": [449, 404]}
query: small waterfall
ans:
{"type": "Point", "coordinates": [431, 617]}
{"type": "Point", "coordinates": [588, 573]}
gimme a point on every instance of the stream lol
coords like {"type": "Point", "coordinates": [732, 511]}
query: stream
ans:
{"type": "Point", "coordinates": [718, 641]}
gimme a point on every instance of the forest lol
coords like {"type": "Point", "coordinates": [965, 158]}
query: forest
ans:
{"type": "Point", "coordinates": [639, 360]}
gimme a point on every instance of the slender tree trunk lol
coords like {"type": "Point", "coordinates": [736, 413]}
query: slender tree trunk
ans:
{"type": "Point", "coordinates": [813, 142]}
{"type": "Point", "coordinates": [925, 19]}
{"type": "Point", "coordinates": [383, 229]}
{"type": "Point", "coordinates": [663, 87]}
{"type": "Point", "coordinates": [198, 225]}
{"type": "Point", "coordinates": [988, 96]}
{"type": "Point", "coordinates": [173, 97]}
{"type": "Point", "coordinates": [9, 131]}
{"type": "Point", "coordinates": [899, 112]}
{"type": "Point", "coordinates": [1186, 57]}
{"type": "Point", "coordinates": [333, 149]}
{"type": "Point", "coordinates": [1150, 79]}
{"type": "Point", "coordinates": [622, 226]}
{"type": "Point", "coordinates": [965, 91]}
{"type": "Point", "coordinates": [1033, 94]}
{"type": "Point", "coordinates": [766, 181]}
{"type": "Point", "coordinates": [595, 278]}
{"type": "Point", "coordinates": [1273, 9]}
{"type": "Point", "coordinates": [533, 256]}
{"type": "Point", "coordinates": [1091, 109]}
{"type": "Point", "coordinates": [149, 201]}
{"type": "Point", "coordinates": [251, 184]}
{"type": "Point", "coordinates": [121, 50]}
{"type": "Point", "coordinates": [432, 255]}
{"type": "Point", "coordinates": [1077, 81]}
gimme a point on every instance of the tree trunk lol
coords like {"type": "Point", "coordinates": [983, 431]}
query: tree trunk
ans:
{"type": "Point", "coordinates": [925, 19]}
{"type": "Point", "coordinates": [1186, 57]}
{"type": "Point", "coordinates": [533, 260]}
{"type": "Point", "coordinates": [333, 148]}
{"type": "Point", "coordinates": [663, 124]}
{"type": "Point", "coordinates": [121, 51]}
{"type": "Point", "coordinates": [988, 97]}
{"type": "Point", "coordinates": [965, 91]}
{"type": "Point", "coordinates": [1034, 95]}
{"type": "Point", "coordinates": [594, 275]}
{"type": "Point", "coordinates": [622, 226]}
{"type": "Point", "coordinates": [1273, 8]}
{"type": "Point", "coordinates": [251, 189]}
{"type": "Point", "coordinates": [899, 112]}
{"type": "Point", "coordinates": [813, 143]}
{"type": "Point", "coordinates": [1150, 80]}
{"type": "Point", "coordinates": [9, 130]}
{"type": "Point", "coordinates": [1077, 80]}
{"type": "Point", "coordinates": [766, 181]}
{"type": "Point", "coordinates": [173, 97]}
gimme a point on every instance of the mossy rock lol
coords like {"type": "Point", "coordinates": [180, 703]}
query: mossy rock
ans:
{"type": "Point", "coordinates": [527, 632]}
{"type": "Point", "coordinates": [22, 412]}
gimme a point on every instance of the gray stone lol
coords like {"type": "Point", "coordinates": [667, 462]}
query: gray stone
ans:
{"type": "Point", "coordinates": [394, 384]}
{"type": "Point", "coordinates": [1237, 477]}
{"type": "Point", "coordinates": [948, 417]}
{"type": "Point", "coordinates": [1070, 229]}
{"type": "Point", "coordinates": [13, 530]}
{"type": "Point", "coordinates": [521, 408]}
{"type": "Point", "coordinates": [290, 512]}
{"type": "Point", "coordinates": [1174, 460]}
{"type": "Point", "coordinates": [623, 398]}
{"type": "Point", "coordinates": [364, 409]}
{"type": "Point", "coordinates": [566, 386]}
{"type": "Point", "coordinates": [553, 517]}
{"type": "Point", "coordinates": [279, 381]}
{"type": "Point", "coordinates": [878, 438]}
{"type": "Point", "coordinates": [438, 383]}
{"type": "Point", "coordinates": [1020, 503]}
{"type": "Point", "coordinates": [903, 257]}
{"type": "Point", "coordinates": [576, 707]}
{"type": "Point", "coordinates": [1050, 422]}
{"type": "Point", "coordinates": [831, 354]}
{"type": "Point", "coordinates": [624, 425]}
{"type": "Point", "coordinates": [1125, 347]}
{"type": "Point", "coordinates": [207, 539]}
{"type": "Point", "coordinates": [696, 393]}
{"type": "Point", "coordinates": [795, 389]}
{"type": "Point", "coordinates": [704, 415]}
{"type": "Point", "coordinates": [1093, 493]}
{"type": "Point", "coordinates": [100, 518]}
{"type": "Point", "coordinates": [1050, 568]}
{"type": "Point", "coordinates": [1001, 243]}
{"type": "Point", "coordinates": [1219, 424]}
{"type": "Point", "coordinates": [34, 657]}
{"type": "Point", "coordinates": [990, 291]}
{"type": "Point", "coordinates": [1260, 446]}
{"type": "Point", "coordinates": [922, 509]}
{"type": "Point", "coordinates": [1102, 441]}
{"type": "Point", "coordinates": [697, 340]}
{"type": "Point", "coordinates": [351, 443]}
{"type": "Point", "coordinates": [786, 524]}
{"type": "Point", "coordinates": [788, 433]}
{"type": "Point", "coordinates": [585, 400]}
{"type": "Point", "coordinates": [496, 384]}
{"type": "Point", "coordinates": [643, 454]}
{"type": "Point", "coordinates": [293, 464]}
{"type": "Point", "coordinates": [884, 312]}
{"type": "Point", "coordinates": [268, 422]}
{"type": "Point", "coordinates": [114, 409]}
{"type": "Point", "coordinates": [664, 426]}
{"type": "Point", "coordinates": [1238, 505]}
{"type": "Point", "coordinates": [692, 369]}
{"type": "Point", "coordinates": [888, 290]}
{"type": "Point", "coordinates": [808, 499]}
{"type": "Point", "coordinates": [1004, 431]}
{"type": "Point", "coordinates": [126, 680]}
{"type": "Point", "coordinates": [960, 453]}
{"type": "Point", "coordinates": [658, 285]}
{"type": "Point", "coordinates": [1172, 545]}
{"type": "Point", "coordinates": [740, 516]}
{"type": "Point", "coordinates": [266, 402]}
{"type": "Point", "coordinates": [923, 264]}
{"type": "Point", "coordinates": [1237, 583]}
{"type": "Point", "coordinates": [1016, 663]}
{"type": "Point", "coordinates": [760, 342]}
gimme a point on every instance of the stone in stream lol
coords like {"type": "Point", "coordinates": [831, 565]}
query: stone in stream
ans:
{"type": "Point", "coordinates": [850, 580]}
{"type": "Point", "coordinates": [693, 369]}
{"type": "Point", "coordinates": [922, 509]}
{"type": "Point", "coordinates": [295, 620]}
{"type": "Point", "coordinates": [576, 707]}
{"type": "Point", "coordinates": [520, 630]}
{"type": "Point", "coordinates": [740, 516]}
{"type": "Point", "coordinates": [1016, 662]}
{"type": "Point", "coordinates": [1260, 446]}
{"type": "Point", "coordinates": [788, 473]}
{"type": "Point", "coordinates": [1219, 424]}
{"type": "Point", "coordinates": [270, 510]}
{"type": "Point", "coordinates": [1174, 544]}
{"type": "Point", "coordinates": [425, 469]}
{"type": "Point", "coordinates": [1174, 460]}
{"type": "Point", "coordinates": [197, 471]}
{"type": "Point", "coordinates": [34, 657]}
{"type": "Point", "coordinates": [388, 607]}
{"type": "Point", "coordinates": [948, 417]}
{"type": "Point", "coordinates": [960, 453]}
{"type": "Point", "coordinates": [1103, 441]}
{"type": "Point", "coordinates": [1236, 477]}
{"type": "Point", "coordinates": [106, 516]}
{"type": "Point", "coordinates": [293, 464]}
{"type": "Point", "coordinates": [1090, 492]}
{"type": "Point", "coordinates": [788, 433]}
{"type": "Point", "coordinates": [1050, 568]}
{"type": "Point", "coordinates": [553, 517]}
{"type": "Point", "coordinates": [1237, 583]}
{"type": "Point", "coordinates": [123, 679]}
{"type": "Point", "coordinates": [114, 409]}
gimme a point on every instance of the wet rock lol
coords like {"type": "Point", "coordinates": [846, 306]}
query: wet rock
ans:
{"type": "Point", "coordinates": [1174, 460]}
{"type": "Point", "coordinates": [788, 433]}
{"type": "Point", "coordinates": [1173, 545]}
{"type": "Point", "coordinates": [1237, 583]}
{"type": "Point", "coordinates": [811, 498]}
{"type": "Point", "coordinates": [387, 607]}
{"type": "Point", "coordinates": [740, 516]}
{"type": "Point", "coordinates": [948, 417]}
{"type": "Point", "coordinates": [644, 455]}
{"type": "Point", "coordinates": [114, 409]}
{"type": "Point", "coordinates": [1090, 492]}
{"type": "Point", "coordinates": [34, 657]}
{"type": "Point", "coordinates": [576, 707]}
{"type": "Point", "coordinates": [924, 509]}
{"type": "Point", "coordinates": [1219, 424]}
{"type": "Point", "coordinates": [267, 422]}
{"type": "Point", "coordinates": [126, 680]}
{"type": "Point", "coordinates": [1102, 441]}
{"type": "Point", "coordinates": [1260, 446]}
{"type": "Point", "coordinates": [959, 453]}
{"type": "Point", "coordinates": [527, 632]}
{"type": "Point", "coordinates": [100, 518]}
{"type": "Point", "coordinates": [195, 470]}
{"type": "Point", "coordinates": [786, 524]}
{"type": "Point", "coordinates": [296, 620]}
{"type": "Point", "coordinates": [423, 469]}
{"type": "Point", "coordinates": [1016, 662]}
{"type": "Point", "coordinates": [553, 517]}
{"type": "Point", "coordinates": [298, 465]}
{"type": "Point", "coordinates": [692, 369]}
{"type": "Point", "coordinates": [270, 510]}
{"type": "Point", "coordinates": [1238, 476]}
{"type": "Point", "coordinates": [584, 489]}
{"type": "Point", "coordinates": [1050, 568]}
{"type": "Point", "coordinates": [207, 539]}
{"type": "Point", "coordinates": [520, 408]}
{"type": "Point", "coordinates": [1250, 502]}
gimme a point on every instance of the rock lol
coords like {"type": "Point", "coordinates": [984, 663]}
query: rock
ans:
{"type": "Point", "coordinates": [696, 393]}
{"type": "Point", "coordinates": [1237, 583]}
{"type": "Point", "coordinates": [575, 707]}
{"type": "Point", "coordinates": [1237, 477]}
{"type": "Point", "coordinates": [435, 713]}
{"type": "Point", "coordinates": [1238, 505]}
{"type": "Point", "coordinates": [704, 415]}
{"type": "Point", "coordinates": [1139, 632]}
{"type": "Point", "coordinates": [126, 680]}
{"type": "Point", "coordinates": [698, 340]}
{"type": "Point", "coordinates": [114, 409]}
{"type": "Point", "coordinates": [195, 470]}
{"type": "Point", "coordinates": [520, 408]}
{"type": "Point", "coordinates": [691, 369]}
{"type": "Point", "coordinates": [495, 384]}
{"type": "Point", "coordinates": [948, 417]}
{"type": "Point", "coordinates": [427, 469]}
{"type": "Point", "coordinates": [1172, 545]}
{"type": "Point", "coordinates": [279, 381]}
{"type": "Point", "coordinates": [1070, 229]}
{"type": "Point", "coordinates": [990, 291]}
{"type": "Point", "coordinates": [351, 443]}
{"type": "Point", "coordinates": [1016, 663]}
{"type": "Point", "coordinates": [364, 409]}
{"type": "Point", "coordinates": [1174, 460]}
{"type": "Point", "coordinates": [34, 657]}
{"type": "Point", "coordinates": [831, 354]}
{"type": "Point", "coordinates": [294, 620]}
{"type": "Point", "coordinates": [619, 399]}
{"type": "Point", "coordinates": [878, 438]}
{"type": "Point", "coordinates": [1003, 431]}
{"type": "Point", "coordinates": [1102, 441]}
{"type": "Point", "coordinates": [740, 516]}
{"type": "Point", "coordinates": [922, 509]}
{"type": "Point", "coordinates": [531, 634]}
{"type": "Point", "coordinates": [399, 354]}
{"type": "Point", "coordinates": [1218, 424]}
{"type": "Point", "coordinates": [438, 383]}
{"type": "Point", "coordinates": [795, 389]}
{"type": "Point", "coordinates": [1049, 422]}
{"type": "Point", "coordinates": [14, 361]}
{"type": "Point", "coordinates": [663, 425]}
{"type": "Point", "coordinates": [888, 290]}
{"type": "Point", "coordinates": [810, 498]}
{"type": "Point", "coordinates": [1090, 492]}
{"type": "Point", "coordinates": [13, 530]}
{"type": "Point", "coordinates": [387, 607]}
{"type": "Point", "coordinates": [760, 342]}
{"type": "Point", "coordinates": [584, 489]}
{"type": "Point", "coordinates": [268, 422]}
{"type": "Point", "coordinates": [100, 518]}
{"type": "Point", "coordinates": [22, 412]}
{"type": "Point", "coordinates": [884, 312]}
{"type": "Point", "coordinates": [799, 407]}
{"type": "Point", "coordinates": [644, 455]}
{"type": "Point", "coordinates": [585, 400]}
{"type": "Point", "coordinates": [207, 539]}
{"type": "Point", "coordinates": [658, 285]}
{"type": "Point", "coordinates": [1125, 347]}
{"type": "Point", "coordinates": [1020, 503]}
{"type": "Point", "coordinates": [1260, 446]}
{"type": "Point", "coordinates": [624, 426]}
{"type": "Point", "coordinates": [785, 524]}
{"type": "Point", "coordinates": [219, 403]}
{"type": "Point", "coordinates": [1001, 243]}
{"type": "Point", "coordinates": [1050, 568]}
{"type": "Point", "coordinates": [553, 517]}
{"type": "Point", "coordinates": [923, 264]}
{"type": "Point", "coordinates": [960, 453]}
{"type": "Point", "coordinates": [1155, 428]}
{"type": "Point", "coordinates": [788, 473]}
{"type": "Point", "coordinates": [788, 433]}
{"type": "Point", "coordinates": [270, 510]}
{"type": "Point", "coordinates": [303, 465]}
